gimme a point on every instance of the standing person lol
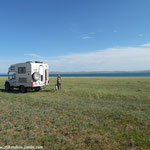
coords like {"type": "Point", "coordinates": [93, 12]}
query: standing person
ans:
{"type": "Point", "coordinates": [59, 82]}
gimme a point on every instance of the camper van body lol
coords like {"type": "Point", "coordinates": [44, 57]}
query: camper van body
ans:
{"type": "Point", "coordinates": [27, 76]}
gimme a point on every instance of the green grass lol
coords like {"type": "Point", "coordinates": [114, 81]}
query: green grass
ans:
{"type": "Point", "coordinates": [88, 113]}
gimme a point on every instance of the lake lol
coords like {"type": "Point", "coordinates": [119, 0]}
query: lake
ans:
{"type": "Point", "coordinates": [126, 74]}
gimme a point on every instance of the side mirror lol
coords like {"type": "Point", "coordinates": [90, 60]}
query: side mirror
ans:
{"type": "Point", "coordinates": [8, 76]}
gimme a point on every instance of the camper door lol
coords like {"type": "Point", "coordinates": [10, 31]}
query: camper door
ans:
{"type": "Point", "coordinates": [41, 71]}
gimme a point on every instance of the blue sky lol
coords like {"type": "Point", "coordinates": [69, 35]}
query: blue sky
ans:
{"type": "Point", "coordinates": [76, 35]}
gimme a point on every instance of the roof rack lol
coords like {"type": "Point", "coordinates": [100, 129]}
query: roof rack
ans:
{"type": "Point", "coordinates": [29, 61]}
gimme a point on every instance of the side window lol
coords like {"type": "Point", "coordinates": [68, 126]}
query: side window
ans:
{"type": "Point", "coordinates": [24, 69]}
{"type": "Point", "coordinates": [21, 70]}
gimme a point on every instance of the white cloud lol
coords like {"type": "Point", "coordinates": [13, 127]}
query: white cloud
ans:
{"type": "Point", "coordinates": [33, 55]}
{"type": "Point", "coordinates": [86, 37]}
{"type": "Point", "coordinates": [111, 59]}
{"type": "Point", "coordinates": [5, 63]}
{"type": "Point", "coordinates": [146, 45]}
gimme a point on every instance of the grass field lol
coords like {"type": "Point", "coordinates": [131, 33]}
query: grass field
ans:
{"type": "Point", "coordinates": [88, 113]}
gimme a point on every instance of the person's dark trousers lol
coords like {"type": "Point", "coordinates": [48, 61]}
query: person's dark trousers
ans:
{"type": "Point", "coordinates": [59, 86]}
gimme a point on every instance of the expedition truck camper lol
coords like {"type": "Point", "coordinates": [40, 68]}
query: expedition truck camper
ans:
{"type": "Point", "coordinates": [28, 76]}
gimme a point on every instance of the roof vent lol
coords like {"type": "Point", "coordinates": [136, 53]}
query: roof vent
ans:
{"type": "Point", "coordinates": [38, 62]}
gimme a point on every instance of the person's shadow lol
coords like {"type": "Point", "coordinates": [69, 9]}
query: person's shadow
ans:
{"type": "Point", "coordinates": [51, 91]}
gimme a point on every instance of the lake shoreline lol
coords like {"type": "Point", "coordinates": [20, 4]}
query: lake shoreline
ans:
{"type": "Point", "coordinates": [147, 74]}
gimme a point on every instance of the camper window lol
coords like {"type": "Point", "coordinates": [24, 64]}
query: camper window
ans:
{"type": "Point", "coordinates": [12, 68]}
{"type": "Point", "coordinates": [22, 70]}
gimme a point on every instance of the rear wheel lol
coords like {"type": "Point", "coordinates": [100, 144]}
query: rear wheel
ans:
{"type": "Point", "coordinates": [23, 89]}
{"type": "Point", "coordinates": [37, 89]}
{"type": "Point", "coordinates": [7, 87]}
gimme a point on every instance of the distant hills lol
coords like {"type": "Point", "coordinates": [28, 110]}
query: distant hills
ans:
{"type": "Point", "coordinates": [100, 72]}
{"type": "Point", "coordinates": [94, 72]}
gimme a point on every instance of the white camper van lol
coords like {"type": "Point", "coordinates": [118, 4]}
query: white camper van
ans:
{"type": "Point", "coordinates": [28, 76]}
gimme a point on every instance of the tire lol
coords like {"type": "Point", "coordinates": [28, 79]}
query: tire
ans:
{"type": "Point", "coordinates": [37, 89]}
{"type": "Point", "coordinates": [36, 76]}
{"type": "Point", "coordinates": [7, 87]}
{"type": "Point", "coordinates": [11, 88]}
{"type": "Point", "coordinates": [23, 89]}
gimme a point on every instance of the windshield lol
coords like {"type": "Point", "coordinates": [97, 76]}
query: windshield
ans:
{"type": "Point", "coordinates": [14, 76]}
{"type": "Point", "coordinates": [11, 76]}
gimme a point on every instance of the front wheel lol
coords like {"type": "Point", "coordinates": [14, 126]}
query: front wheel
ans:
{"type": "Point", "coordinates": [22, 89]}
{"type": "Point", "coordinates": [7, 87]}
{"type": "Point", "coordinates": [11, 88]}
